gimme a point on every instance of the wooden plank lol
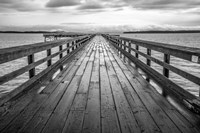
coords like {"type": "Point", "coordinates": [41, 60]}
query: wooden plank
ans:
{"type": "Point", "coordinates": [83, 88]}
{"type": "Point", "coordinates": [84, 54]}
{"type": "Point", "coordinates": [92, 114]}
{"type": "Point", "coordinates": [125, 116]}
{"type": "Point", "coordinates": [79, 104]}
{"type": "Point", "coordinates": [141, 114]}
{"type": "Point", "coordinates": [161, 118]}
{"type": "Point", "coordinates": [181, 122]}
{"type": "Point", "coordinates": [128, 123]}
{"type": "Point", "coordinates": [109, 116]}
{"type": "Point", "coordinates": [74, 122]}
{"type": "Point", "coordinates": [91, 49]}
{"type": "Point", "coordinates": [58, 118]}
{"type": "Point", "coordinates": [83, 66]}
{"type": "Point", "coordinates": [102, 61]}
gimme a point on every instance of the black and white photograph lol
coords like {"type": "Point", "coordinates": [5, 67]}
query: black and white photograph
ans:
{"type": "Point", "coordinates": [99, 66]}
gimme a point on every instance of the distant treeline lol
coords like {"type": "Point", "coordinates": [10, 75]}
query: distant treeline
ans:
{"type": "Point", "coordinates": [38, 32]}
{"type": "Point", "coordinates": [178, 31]}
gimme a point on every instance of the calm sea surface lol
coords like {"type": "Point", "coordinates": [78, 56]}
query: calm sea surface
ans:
{"type": "Point", "coordinates": [190, 40]}
{"type": "Point", "coordinates": [11, 40]}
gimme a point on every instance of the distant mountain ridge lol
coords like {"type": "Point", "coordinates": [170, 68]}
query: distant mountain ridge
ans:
{"type": "Point", "coordinates": [175, 31]}
{"type": "Point", "coordinates": [41, 32]}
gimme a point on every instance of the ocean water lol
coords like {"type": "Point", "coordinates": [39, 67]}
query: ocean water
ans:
{"type": "Point", "coordinates": [188, 40]}
{"type": "Point", "coordinates": [11, 40]}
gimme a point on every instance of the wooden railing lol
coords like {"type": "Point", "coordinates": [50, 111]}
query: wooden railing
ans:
{"type": "Point", "coordinates": [125, 46]}
{"type": "Point", "coordinates": [9, 54]}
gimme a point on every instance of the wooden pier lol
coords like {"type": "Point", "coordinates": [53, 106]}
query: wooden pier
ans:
{"type": "Point", "coordinates": [98, 89]}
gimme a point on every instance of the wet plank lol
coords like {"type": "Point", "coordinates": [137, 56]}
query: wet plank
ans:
{"type": "Point", "coordinates": [92, 113]}
{"type": "Point", "coordinates": [141, 114]}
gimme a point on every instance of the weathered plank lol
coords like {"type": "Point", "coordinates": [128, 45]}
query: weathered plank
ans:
{"type": "Point", "coordinates": [92, 114]}
{"type": "Point", "coordinates": [160, 117]}
{"type": "Point", "coordinates": [58, 118]}
{"type": "Point", "coordinates": [83, 88]}
{"type": "Point", "coordinates": [142, 116]}
{"type": "Point", "coordinates": [74, 122]}
{"type": "Point", "coordinates": [109, 115]}
{"type": "Point", "coordinates": [79, 103]}
{"type": "Point", "coordinates": [181, 122]}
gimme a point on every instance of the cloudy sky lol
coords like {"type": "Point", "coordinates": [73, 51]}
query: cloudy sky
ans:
{"type": "Point", "coordinates": [99, 15]}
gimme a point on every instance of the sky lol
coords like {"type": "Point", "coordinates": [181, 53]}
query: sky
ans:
{"type": "Point", "coordinates": [99, 15]}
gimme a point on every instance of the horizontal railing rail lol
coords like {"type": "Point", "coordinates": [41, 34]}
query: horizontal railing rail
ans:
{"type": "Point", "coordinates": [125, 47]}
{"type": "Point", "coordinates": [29, 51]}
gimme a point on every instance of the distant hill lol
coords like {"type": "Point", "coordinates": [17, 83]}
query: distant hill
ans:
{"type": "Point", "coordinates": [35, 32]}
{"type": "Point", "coordinates": [177, 31]}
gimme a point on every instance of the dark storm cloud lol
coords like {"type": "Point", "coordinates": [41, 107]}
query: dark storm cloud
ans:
{"type": "Point", "coordinates": [61, 3]}
{"type": "Point", "coordinates": [91, 6]}
{"type": "Point", "coordinates": [87, 4]}
{"type": "Point", "coordinates": [22, 5]}
{"type": "Point", "coordinates": [101, 5]}
{"type": "Point", "coordinates": [164, 4]}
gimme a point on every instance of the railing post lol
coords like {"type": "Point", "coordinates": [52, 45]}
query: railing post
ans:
{"type": "Point", "coordinates": [118, 47]}
{"type": "Point", "coordinates": [48, 54]}
{"type": "Point", "coordinates": [68, 49]}
{"type": "Point", "coordinates": [124, 50]}
{"type": "Point", "coordinates": [61, 55]}
{"type": "Point", "coordinates": [121, 48]}
{"type": "Point", "coordinates": [166, 60]}
{"type": "Point", "coordinates": [30, 61]}
{"type": "Point", "coordinates": [129, 50]}
{"type": "Point", "coordinates": [165, 70]}
{"type": "Point", "coordinates": [136, 48]}
{"type": "Point", "coordinates": [76, 44]}
{"type": "Point", "coordinates": [148, 62]}
{"type": "Point", "coordinates": [72, 45]}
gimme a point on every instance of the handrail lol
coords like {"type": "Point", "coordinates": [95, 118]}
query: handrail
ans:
{"type": "Point", "coordinates": [123, 45]}
{"type": "Point", "coordinates": [9, 54]}
{"type": "Point", "coordinates": [187, 53]}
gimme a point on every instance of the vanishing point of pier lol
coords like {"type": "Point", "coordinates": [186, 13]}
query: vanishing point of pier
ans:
{"type": "Point", "coordinates": [99, 88]}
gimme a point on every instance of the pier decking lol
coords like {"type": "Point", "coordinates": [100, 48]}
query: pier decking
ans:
{"type": "Point", "coordinates": [96, 93]}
